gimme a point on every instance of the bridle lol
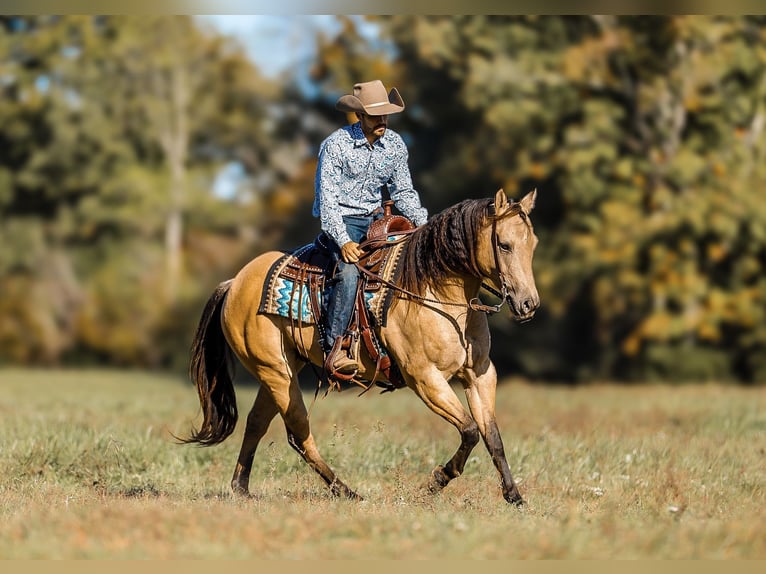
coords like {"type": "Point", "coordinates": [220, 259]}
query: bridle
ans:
{"type": "Point", "coordinates": [474, 304]}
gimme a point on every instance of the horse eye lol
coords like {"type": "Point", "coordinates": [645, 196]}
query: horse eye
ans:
{"type": "Point", "coordinates": [505, 246]}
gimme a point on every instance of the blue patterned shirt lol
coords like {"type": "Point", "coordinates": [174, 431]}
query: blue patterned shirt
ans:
{"type": "Point", "coordinates": [350, 175]}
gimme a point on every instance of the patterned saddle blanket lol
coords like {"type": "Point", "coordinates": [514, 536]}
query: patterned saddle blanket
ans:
{"type": "Point", "coordinates": [295, 284]}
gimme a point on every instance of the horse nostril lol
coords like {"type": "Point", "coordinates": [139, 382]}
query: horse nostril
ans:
{"type": "Point", "coordinates": [529, 305]}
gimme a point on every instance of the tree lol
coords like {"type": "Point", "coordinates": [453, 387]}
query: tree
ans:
{"type": "Point", "coordinates": [114, 129]}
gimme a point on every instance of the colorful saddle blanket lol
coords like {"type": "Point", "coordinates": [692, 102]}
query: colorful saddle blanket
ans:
{"type": "Point", "coordinates": [295, 283]}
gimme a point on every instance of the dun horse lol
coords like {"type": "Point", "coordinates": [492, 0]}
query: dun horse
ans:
{"type": "Point", "coordinates": [436, 332]}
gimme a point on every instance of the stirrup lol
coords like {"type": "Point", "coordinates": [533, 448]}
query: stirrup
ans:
{"type": "Point", "coordinates": [337, 348]}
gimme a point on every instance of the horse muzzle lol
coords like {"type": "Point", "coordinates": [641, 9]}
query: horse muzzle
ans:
{"type": "Point", "coordinates": [524, 309]}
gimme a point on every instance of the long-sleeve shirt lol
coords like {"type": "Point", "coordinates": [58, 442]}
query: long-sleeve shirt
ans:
{"type": "Point", "coordinates": [351, 173]}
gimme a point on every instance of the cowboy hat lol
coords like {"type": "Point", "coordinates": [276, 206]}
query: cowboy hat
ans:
{"type": "Point", "coordinates": [370, 98]}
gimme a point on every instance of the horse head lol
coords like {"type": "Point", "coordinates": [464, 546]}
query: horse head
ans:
{"type": "Point", "coordinates": [506, 251]}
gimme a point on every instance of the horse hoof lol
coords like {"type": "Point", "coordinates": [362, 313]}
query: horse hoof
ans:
{"type": "Point", "coordinates": [515, 499]}
{"type": "Point", "coordinates": [339, 489]}
{"type": "Point", "coordinates": [240, 492]}
{"type": "Point", "coordinates": [439, 480]}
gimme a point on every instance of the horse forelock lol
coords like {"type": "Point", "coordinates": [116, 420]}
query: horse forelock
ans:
{"type": "Point", "coordinates": [446, 245]}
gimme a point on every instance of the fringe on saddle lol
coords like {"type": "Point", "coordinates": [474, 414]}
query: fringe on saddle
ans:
{"type": "Point", "coordinates": [295, 287]}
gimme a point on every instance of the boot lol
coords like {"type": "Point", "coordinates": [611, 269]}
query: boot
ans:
{"type": "Point", "coordinates": [343, 359]}
{"type": "Point", "coordinates": [344, 364]}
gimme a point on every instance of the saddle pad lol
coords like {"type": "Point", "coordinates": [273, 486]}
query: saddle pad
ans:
{"type": "Point", "coordinates": [284, 296]}
{"type": "Point", "coordinates": [281, 296]}
{"type": "Point", "coordinates": [379, 301]}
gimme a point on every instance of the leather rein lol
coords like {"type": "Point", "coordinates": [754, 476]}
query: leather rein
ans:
{"type": "Point", "coordinates": [474, 304]}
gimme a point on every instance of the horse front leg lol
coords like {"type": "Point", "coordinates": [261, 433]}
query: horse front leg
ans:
{"type": "Point", "coordinates": [442, 475]}
{"type": "Point", "coordinates": [480, 392]}
{"type": "Point", "coordinates": [441, 399]}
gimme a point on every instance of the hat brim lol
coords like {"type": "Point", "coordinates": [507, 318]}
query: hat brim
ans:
{"type": "Point", "coordinates": [350, 103]}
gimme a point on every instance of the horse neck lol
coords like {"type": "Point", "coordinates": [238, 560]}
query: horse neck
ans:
{"type": "Point", "coordinates": [454, 264]}
{"type": "Point", "coordinates": [459, 289]}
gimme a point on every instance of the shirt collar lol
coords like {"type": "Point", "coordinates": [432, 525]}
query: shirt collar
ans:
{"type": "Point", "coordinates": [361, 140]}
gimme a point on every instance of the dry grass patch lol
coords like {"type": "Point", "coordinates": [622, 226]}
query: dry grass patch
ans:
{"type": "Point", "coordinates": [88, 469]}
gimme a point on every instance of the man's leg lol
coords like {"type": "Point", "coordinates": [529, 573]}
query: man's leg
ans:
{"type": "Point", "coordinates": [340, 307]}
{"type": "Point", "coordinates": [341, 294]}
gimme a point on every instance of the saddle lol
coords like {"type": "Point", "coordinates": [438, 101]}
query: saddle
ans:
{"type": "Point", "coordinates": [297, 281]}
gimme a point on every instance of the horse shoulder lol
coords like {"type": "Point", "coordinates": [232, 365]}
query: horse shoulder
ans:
{"type": "Point", "coordinates": [419, 336]}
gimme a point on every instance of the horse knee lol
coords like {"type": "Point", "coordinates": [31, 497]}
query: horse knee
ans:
{"type": "Point", "coordinates": [470, 435]}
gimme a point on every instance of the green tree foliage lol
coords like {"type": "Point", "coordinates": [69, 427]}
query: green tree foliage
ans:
{"type": "Point", "coordinates": [113, 130]}
{"type": "Point", "coordinates": [644, 136]}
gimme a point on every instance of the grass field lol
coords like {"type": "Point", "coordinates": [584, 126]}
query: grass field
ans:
{"type": "Point", "coordinates": [88, 469]}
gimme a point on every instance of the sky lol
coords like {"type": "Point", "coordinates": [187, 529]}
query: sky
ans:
{"type": "Point", "coordinates": [278, 43]}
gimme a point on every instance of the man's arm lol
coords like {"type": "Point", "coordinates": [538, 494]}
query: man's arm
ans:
{"type": "Point", "coordinates": [327, 191]}
{"type": "Point", "coordinates": [401, 189]}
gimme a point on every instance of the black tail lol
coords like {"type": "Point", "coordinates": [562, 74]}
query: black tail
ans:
{"type": "Point", "coordinates": [210, 369]}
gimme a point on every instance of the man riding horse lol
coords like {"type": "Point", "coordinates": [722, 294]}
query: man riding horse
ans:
{"type": "Point", "coordinates": [355, 163]}
{"type": "Point", "coordinates": [435, 328]}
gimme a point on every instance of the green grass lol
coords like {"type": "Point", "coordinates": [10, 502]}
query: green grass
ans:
{"type": "Point", "coordinates": [89, 469]}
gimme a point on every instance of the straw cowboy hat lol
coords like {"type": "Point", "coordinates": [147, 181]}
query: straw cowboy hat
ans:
{"type": "Point", "coordinates": [370, 98]}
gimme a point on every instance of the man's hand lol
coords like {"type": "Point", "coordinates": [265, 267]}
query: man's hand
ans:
{"type": "Point", "coordinates": [350, 252]}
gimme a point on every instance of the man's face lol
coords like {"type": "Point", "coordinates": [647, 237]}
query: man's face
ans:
{"type": "Point", "coordinates": [373, 125]}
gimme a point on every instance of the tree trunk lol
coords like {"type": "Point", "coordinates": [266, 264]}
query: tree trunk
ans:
{"type": "Point", "coordinates": [174, 138]}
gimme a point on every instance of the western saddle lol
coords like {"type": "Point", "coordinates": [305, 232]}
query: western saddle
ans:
{"type": "Point", "coordinates": [311, 266]}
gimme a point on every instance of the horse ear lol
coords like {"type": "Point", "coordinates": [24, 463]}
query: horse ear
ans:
{"type": "Point", "coordinates": [528, 201]}
{"type": "Point", "coordinates": [501, 201]}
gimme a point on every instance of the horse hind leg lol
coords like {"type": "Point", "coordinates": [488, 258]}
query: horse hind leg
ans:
{"type": "Point", "coordinates": [288, 401]}
{"type": "Point", "coordinates": [306, 447]}
{"type": "Point", "coordinates": [258, 420]}
{"type": "Point", "coordinates": [299, 437]}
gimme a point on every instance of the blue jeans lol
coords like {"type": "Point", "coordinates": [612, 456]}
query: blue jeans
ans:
{"type": "Point", "coordinates": [340, 291]}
